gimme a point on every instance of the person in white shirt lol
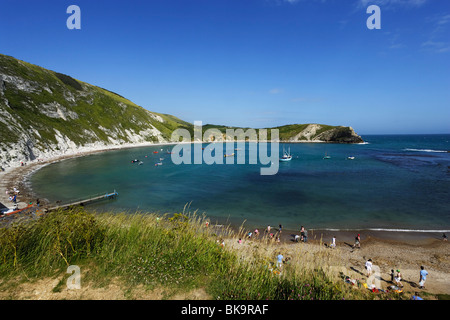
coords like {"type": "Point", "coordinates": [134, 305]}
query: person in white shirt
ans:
{"type": "Point", "coordinates": [333, 242]}
{"type": "Point", "coordinates": [369, 267]}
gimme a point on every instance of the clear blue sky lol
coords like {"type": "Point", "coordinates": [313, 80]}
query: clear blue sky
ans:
{"type": "Point", "coordinates": [256, 63]}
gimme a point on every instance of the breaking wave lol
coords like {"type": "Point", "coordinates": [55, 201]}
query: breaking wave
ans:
{"type": "Point", "coordinates": [424, 150]}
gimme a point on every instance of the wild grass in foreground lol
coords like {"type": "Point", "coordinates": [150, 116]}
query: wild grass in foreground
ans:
{"type": "Point", "coordinates": [178, 253]}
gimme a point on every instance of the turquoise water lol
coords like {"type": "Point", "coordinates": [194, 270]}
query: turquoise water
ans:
{"type": "Point", "coordinates": [394, 182]}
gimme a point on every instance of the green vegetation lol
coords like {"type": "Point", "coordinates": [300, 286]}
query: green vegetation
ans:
{"type": "Point", "coordinates": [179, 253]}
{"type": "Point", "coordinates": [41, 107]}
{"type": "Point", "coordinates": [89, 109]}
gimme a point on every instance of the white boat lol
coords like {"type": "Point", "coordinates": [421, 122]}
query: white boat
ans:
{"type": "Point", "coordinates": [228, 155]}
{"type": "Point", "coordinates": [286, 155]}
{"type": "Point", "coordinates": [350, 158]}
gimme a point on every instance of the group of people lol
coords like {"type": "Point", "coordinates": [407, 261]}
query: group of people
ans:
{"type": "Point", "coordinates": [303, 237]}
{"type": "Point", "coordinates": [269, 232]}
{"type": "Point", "coordinates": [396, 277]}
{"type": "Point", "coordinates": [12, 196]}
{"type": "Point", "coordinates": [281, 260]}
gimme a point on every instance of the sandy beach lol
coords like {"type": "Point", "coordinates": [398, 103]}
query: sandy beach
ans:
{"type": "Point", "coordinates": [402, 251]}
{"type": "Point", "coordinates": [17, 176]}
{"type": "Point", "coordinates": [388, 250]}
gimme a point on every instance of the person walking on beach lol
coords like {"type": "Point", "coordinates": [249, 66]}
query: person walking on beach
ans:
{"type": "Point", "coordinates": [369, 267]}
{"type": "Point", "coordinates": [303, 234]}
{"type": "Point", "coordinates": [423, 277]}
{"type": "Point", "coordinates": [392, 274]}
{"type": "Point", "coordinates": [333, 242]}
{"type": "Point", "coordinates": [398, 279]}
{"type": "Point", "coordinates": [357, 242]}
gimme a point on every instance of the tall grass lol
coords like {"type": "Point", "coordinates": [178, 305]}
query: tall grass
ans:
{"type": "Point", "coordinates": [178, 252]}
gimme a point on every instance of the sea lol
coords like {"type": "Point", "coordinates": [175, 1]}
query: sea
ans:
{"type": "Point", "coordinates": [388, 183]}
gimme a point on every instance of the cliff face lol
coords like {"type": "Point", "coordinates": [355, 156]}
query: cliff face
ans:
{"type": "Point", "coordinates": [322, 133]}
{"type": "Point", "coordinates": [44, 114]}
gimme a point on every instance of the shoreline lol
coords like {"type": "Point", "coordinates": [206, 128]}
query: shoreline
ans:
{"type": "Point", "coordinates": [18, 176]}
{"type": "Point", "coordinates": [388, 249]}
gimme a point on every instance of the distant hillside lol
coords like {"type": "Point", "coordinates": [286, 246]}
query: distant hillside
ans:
{"type": "Point", "coordinates": [45, 113]}
{"type": "Point", "coordinates": [299, 133]}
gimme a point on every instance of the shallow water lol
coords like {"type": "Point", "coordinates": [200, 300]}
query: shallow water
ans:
{"type": "Point", "coordinates": [395, 182]}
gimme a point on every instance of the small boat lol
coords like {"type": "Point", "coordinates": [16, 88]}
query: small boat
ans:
{"type": "Point", "coordinates": [141, 163]}
{"type": "Point", "coordinates": [161, 159]}
{"type": "Point", "coordinates": [350, 158]}
{"type": "Point", "coordinates": [155, 151]}
{"type": "Point", "coordinates": [134, 161]}
{"type": "Point", "coordinates": [286, 155]}
{"type": "Point", "coordinates": [326, 156]}
{"type": "Point", "coordinates": [158, 164]}
{"type": "Point", "coordinates": [228, 155]}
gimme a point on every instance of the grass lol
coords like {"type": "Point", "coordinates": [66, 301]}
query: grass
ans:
{"type": "Point", "coordinates": [179, 253]}
{"type": "Point", "coordinates": [95, 108]}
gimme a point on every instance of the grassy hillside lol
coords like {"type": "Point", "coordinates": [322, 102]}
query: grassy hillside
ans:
{"type": "Point", "coordinates": [179, 253]}
{"type": "Point", "coordinates": [30, 94]}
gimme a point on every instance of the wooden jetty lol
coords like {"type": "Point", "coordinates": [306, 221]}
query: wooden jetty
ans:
{"type": "Point", "coordinates": [85, 201]}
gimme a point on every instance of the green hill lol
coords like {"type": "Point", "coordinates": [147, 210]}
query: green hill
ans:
{"type": "Point", "coordinates": [44, 113]}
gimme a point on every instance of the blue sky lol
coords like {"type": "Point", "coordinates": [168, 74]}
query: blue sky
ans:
{"type": "Point", "coordinates": [255, 63]}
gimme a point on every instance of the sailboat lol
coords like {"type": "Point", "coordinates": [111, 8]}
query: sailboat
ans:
{"type": "Point", "coordinates": [286, 155]}
{"type": "Point", "coordinates": [326, 156]}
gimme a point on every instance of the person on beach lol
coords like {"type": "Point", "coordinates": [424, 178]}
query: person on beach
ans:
{"type": "Point", "coordinates": [268, 229]}
{"type": "Point", "coordinates": [38, 202]}
{"type": "Point", "coordinates": [423, 277]}
{"type": "Point", "coordinates": [333, 242]}
{"type": "Point", "coordinates": [392, 274]}
{"type": "Point", "coordinates": [416, 296]}
{"type": "Point", "coordinates": [357, 242]}
{"type": "Point", "coordinates": [398, 279]}
{"type": "Point", "coordinates": [444, 237]}
{"type": "Point", "coordinates": [280, 227]}
{"type": "Point", "coordinates": [369, 267]}
{"type": "Point", "coordinates": [256, 232]}
{"type": "Point", "coordinates": [280, 260]}
{"type": "Point", "coordinates": [303, 234]}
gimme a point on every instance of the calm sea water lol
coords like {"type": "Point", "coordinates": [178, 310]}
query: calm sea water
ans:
{"type": "Point", "coordinates": [394, 182]}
